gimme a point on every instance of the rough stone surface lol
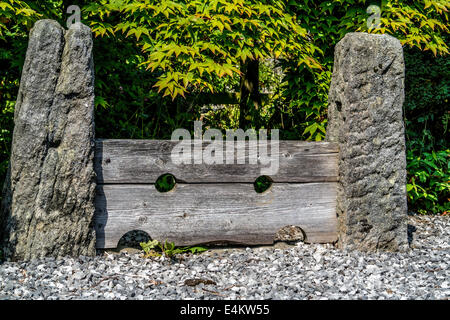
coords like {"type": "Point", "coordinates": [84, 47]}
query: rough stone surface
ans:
{"type": "Point", "coordinates": [365, 118]}
{"type": "Point", "coordinates": [49, 193]}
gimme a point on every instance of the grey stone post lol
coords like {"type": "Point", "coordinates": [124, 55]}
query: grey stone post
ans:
{"type": "Point", "coordinates": [48, 202]}
{"type": "Point", "coordinates": [366, 120]}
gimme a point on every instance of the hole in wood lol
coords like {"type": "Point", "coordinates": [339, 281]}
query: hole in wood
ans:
{"type": "Point", "coordinates": [262, 184]}
{"type": "Point", "coordinates": [132, 239]}
{"type": "Point", "coordinates": [165, 182]}
{"type": "Point", "coordinates": [290, 234]}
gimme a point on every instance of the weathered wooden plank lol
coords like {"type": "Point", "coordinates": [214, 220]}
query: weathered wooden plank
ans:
{"type": "Point", "coordinates": [202, 213]}
{"type": "Point", "coordinates": [143, 161]}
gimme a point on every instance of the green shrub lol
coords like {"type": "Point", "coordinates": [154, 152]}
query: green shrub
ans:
{"type": "Point", "coordinates": [427, 96]}
{"type": "Point", "coordinates": [429, 181]}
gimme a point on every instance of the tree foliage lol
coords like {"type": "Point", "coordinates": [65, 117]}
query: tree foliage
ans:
{"type": "Point", "coordinates": [417, 24]}
{"type": "Point", "coordinates": [191, 42]}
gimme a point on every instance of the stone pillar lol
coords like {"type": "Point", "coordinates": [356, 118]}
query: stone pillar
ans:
{"type": "Point", "coordinates": [49, 192]}
{"type": "Point", "coordinates": [366, 119]}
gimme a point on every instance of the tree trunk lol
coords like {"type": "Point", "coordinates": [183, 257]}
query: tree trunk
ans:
{"type": "Point", "coordinates": [250, 102]}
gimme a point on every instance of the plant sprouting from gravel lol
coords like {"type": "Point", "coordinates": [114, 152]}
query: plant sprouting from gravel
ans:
{"type": "Point", "coordinates": [154, 248]}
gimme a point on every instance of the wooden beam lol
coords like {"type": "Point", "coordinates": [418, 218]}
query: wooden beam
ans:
{"type": "Point", "coordinates": [143, 161]}
{"type": "Point", "coordinates": [204, 213]}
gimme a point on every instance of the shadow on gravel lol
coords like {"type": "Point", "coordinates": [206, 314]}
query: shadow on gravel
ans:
{"type": "Point", "coordinates": [411, 230]}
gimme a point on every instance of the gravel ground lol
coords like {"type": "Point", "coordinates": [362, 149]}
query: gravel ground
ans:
{"type": "Point", "coordinates": [301, 271]}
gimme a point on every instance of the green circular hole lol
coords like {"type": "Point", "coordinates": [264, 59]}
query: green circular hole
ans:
{"type": "Point", "coordinates": [262, 184]}
{"type": "Point", "coordinates": [165, 183]}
